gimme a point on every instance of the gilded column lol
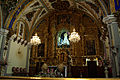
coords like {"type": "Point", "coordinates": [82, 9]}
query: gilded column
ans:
{"type": "Point", "coordinates": [28, 56]}
{"type": "Point", "coordinates": [33, 51]}
{"type": "Point", "coordinates": [46, 36]}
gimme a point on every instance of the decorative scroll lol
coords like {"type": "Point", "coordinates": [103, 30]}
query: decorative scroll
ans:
{"type": "Point", "coordinates": [61, 5]}
{"type": "Point", "coordinates": [30, 15]}
{"type": "Point", "coordinates": [63, 19]}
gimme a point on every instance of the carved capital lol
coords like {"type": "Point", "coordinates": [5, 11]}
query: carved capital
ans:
{"type": "Point", "coordinates": [3, 31]}
{"type": "Point", "coordinates": [109, 19]}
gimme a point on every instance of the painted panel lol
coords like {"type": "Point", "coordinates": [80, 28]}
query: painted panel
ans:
{"type": "Point", "coordinates": [62, 39]}
{"type": "Point", "coordinates": [114, 5]}
{"type": "Point", "coordinates": [117, 4]}
{"type": "Point", "coordinates": [90, 45]}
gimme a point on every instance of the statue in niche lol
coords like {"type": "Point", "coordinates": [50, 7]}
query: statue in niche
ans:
{"type": "Point", "coordinates": [63, 39]}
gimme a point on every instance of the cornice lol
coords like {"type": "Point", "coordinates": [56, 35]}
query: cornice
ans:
{"type": "Point", "coordinates": [109, 19]}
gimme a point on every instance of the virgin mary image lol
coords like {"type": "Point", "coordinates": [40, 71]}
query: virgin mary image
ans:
{"type": "Point", "coordinates": [63, 39]}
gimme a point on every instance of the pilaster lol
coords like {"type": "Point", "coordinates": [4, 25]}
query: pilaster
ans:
{"type": "Point", "coordinates": [3, 33]}
{"type": "Point", "coordinates": [114, 42]}
{"type": "Point", "coordinates": [28, 56]}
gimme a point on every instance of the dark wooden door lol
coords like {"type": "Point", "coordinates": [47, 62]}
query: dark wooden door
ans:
{"type": "Point", "coordinates": [92, 69]}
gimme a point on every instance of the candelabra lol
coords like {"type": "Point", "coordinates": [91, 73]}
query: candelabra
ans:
{"type": "Point", "coordinates": [35, 41]}
{"type": "Point", "coordinates": [74, 36]}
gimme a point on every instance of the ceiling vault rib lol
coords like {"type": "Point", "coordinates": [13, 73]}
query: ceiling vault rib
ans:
{"type": "Point", "coordinates": [32, 25]}
{"type": "Point", "coordinates": [44, 5]}
{"type": "Point", "coordinates": [89, 12]}
{"type": "Point", "coordinates": [104, 9]}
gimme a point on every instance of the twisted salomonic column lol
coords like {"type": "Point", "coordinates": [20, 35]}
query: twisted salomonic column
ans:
{"type": "Point", "coordinates": [114, 43]}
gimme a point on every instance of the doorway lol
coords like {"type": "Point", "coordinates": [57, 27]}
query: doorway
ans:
{"type": "Point", "coordinates": [92, 69]}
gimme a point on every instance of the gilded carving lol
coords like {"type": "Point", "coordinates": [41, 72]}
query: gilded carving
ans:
{"type": "Point", "coordinates": [78, 51]}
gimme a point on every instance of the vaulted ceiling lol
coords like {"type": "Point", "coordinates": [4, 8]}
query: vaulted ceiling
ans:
{"type": "Point", "coordinates": [33, 11]}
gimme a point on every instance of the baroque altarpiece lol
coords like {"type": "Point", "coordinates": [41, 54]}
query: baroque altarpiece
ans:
{"type": "Point", "coordinates": [55, 45]}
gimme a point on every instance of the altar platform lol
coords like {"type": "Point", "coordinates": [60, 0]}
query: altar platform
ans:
{"type": "Point", "coordinates": [46, 78]}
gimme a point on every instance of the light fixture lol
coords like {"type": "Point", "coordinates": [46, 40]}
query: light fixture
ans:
{"type": "Point", "coordinates": [74, 36]}
{"type": "Point", "coordinates": [35, 40]}
{"type": "Point", "coordinates": [19, 52]}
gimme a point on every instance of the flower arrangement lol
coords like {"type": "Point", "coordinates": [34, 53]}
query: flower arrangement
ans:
{"type": "Point", "coordinates": [103, 61]}
{"type": "Point", "coordinates": [50, 73]}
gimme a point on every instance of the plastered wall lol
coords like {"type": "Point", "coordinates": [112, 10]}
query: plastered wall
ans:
{"type": "Point", "coordinates": [17, 56]}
